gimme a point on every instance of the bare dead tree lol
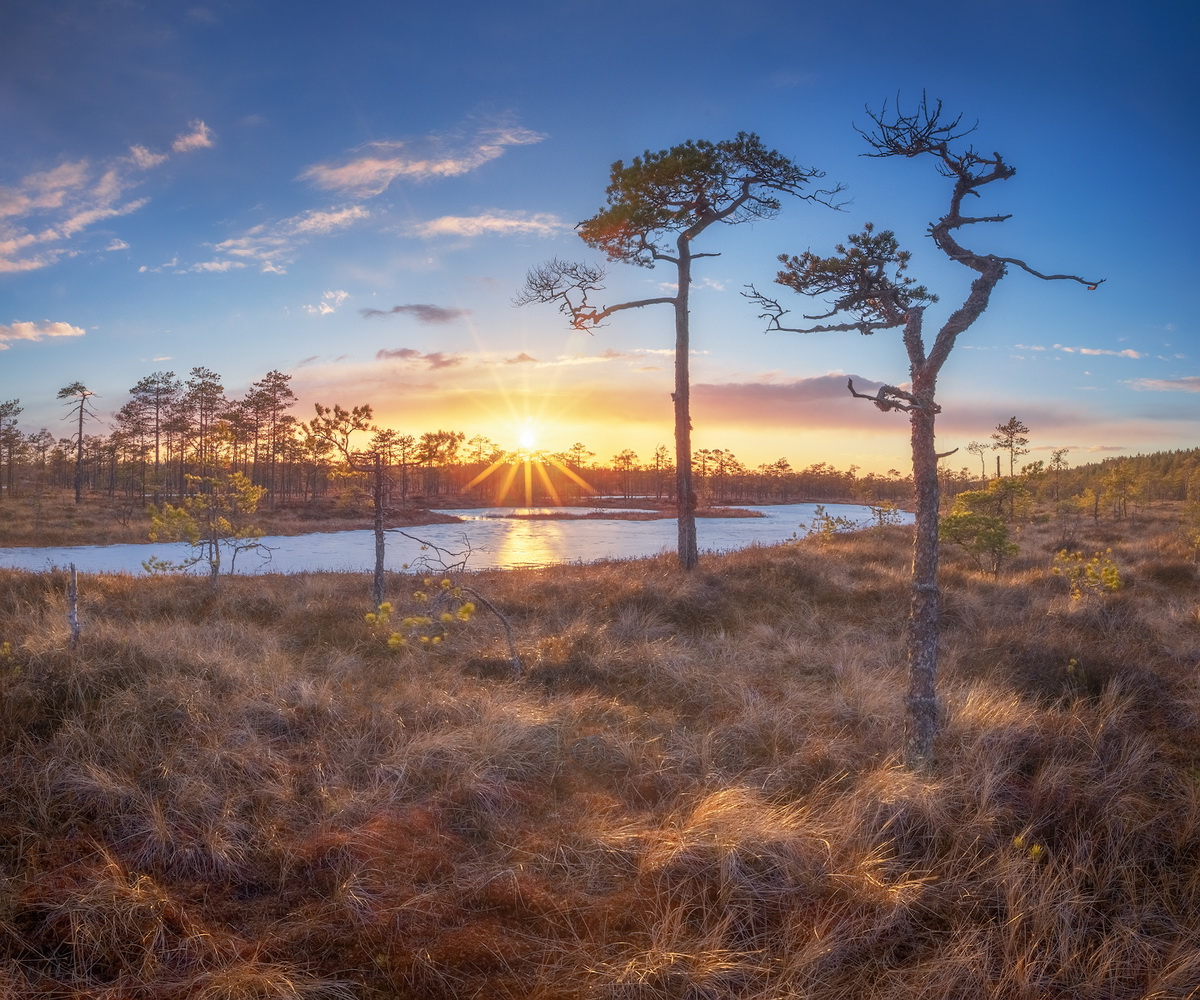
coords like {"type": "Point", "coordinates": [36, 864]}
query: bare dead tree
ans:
{"type": "Point", "coordinates": [870, 291]}
{"type": "Point", "coordinates": [658, 206]}
{"type": "Point", "coordinates": [73, 605]}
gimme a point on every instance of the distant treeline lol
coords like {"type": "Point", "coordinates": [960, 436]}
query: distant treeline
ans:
{"type": "Point", "coordinates": [172, 433]}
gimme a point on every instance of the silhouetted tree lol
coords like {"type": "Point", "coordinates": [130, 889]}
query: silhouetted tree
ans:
{"type": "Point", "coordinates": [979, 449]}
{"type": "Point", "coordinates": [437, 450]}
{"type": "Point", "coordinates": [658, 206]}
{"type": "Point", "coordinates": [9, 409]}
{"type": "Point", "coordinates": [577, 455]}
{"type": "Point", "coordinates": [204, 398]}
{"type": "Point", "coordinates": [271, 396]}
{"type": "Point", "coordinates": [77, 394]}
{"type": "Point", "coordinates": [869, 290]}
{"type": "Point", "coordinates": [1058, 465]}
{"type": "Point", "coordinates": [406, 456]}
{"type": "Point", "coordinates": [131, 439]}
{"type": "Point", "coordinates": [1011, 437]}
{"type": "Point", "coordinates": [624, 465]}
{"type": "Point", "coordinates": [662, 466]}
{"type": "Point", "coordinates": [155, 394]}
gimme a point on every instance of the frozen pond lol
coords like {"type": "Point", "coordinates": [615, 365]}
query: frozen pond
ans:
{"type": "Point", "coordinates": [495, 541]}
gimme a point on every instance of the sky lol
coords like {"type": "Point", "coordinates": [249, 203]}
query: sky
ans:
{"type": "Point", "coordinates": [352, 194]}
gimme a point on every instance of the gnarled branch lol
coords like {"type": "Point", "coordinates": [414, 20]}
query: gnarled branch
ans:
{"type": "Point", "coordinates": [890, 397]}
{"type": "Point", "coordinates": [773, 313]}
{"type": "Point", "coordinates": [569, 284]}
{"type": "Point", "coordinates": [1091, 285]}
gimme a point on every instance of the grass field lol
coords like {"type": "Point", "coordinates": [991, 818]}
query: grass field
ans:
{"type": "Point", "coordinates": [691, 791]}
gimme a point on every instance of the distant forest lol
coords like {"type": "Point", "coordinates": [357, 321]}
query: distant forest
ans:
{"type": "Point", "coordinates": [172, 433]}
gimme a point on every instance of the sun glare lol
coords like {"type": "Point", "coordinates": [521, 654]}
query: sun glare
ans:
{"type": "Point", "coordinates": [519, 472]}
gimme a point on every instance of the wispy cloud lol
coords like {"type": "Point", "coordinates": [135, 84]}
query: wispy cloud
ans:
{"type": "Point", "coordinates": [36, 331]}
{"type": "Point", "coordinates": [43, 212]}
{"type": "Point", "coordinates": [169, 265]}
{"type": "Point", "coordinates": [564, 360]}
{"type": "Point", "coordinates": [272, 246]}
{"type": "Point", "coordinates": [667, 352]}
{"type": "Point", "coordinates": [1185, 383]}
{"type": "Point", "coordinates": [361, 174]}
{"type": "Point", "coordinates": [329, 303]}
{"type": "Point", "coordinates": [322, 223]}
{"type": "Point", "coordinates": [1128, 353]}
{"type": "Point", "coordinates": [198, 136]}
{"type": "Point", "coordinates": [673, 286]}
{"type": "Point", "coordinates": [433, 315]}
{"type": "Point", "coordinates": [144, 159]}
{"type": "Point", "coordinates": [216, 266]}
{"type": "Point", "coordinates": [369, 170]}
{"type": "Point", "coordinates": [504, 223]}
{"type": "Point", "coordinates": [435, 359]}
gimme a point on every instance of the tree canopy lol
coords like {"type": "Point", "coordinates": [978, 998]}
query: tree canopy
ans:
{"type": "Point", "coordinates": [685, 189]}
{"type": "Point", "coordinates": [657, 206]}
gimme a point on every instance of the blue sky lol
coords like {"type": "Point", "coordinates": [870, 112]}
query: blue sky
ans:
{"type": "Point", "coordinates": [353, 193]}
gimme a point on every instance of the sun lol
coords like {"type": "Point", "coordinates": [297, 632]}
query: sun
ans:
{"type": "Point", "coordinates": [528, 463]}
{"type": "Point", "coordinates": [527, 438]}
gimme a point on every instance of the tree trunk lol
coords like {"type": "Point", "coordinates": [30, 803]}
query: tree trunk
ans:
{"type": "Point", "coordinates": [73, 605]}
{"type": "Point", "coordinates": [377, 496]}
{"type": "Point", "coordinates": [924, 625]}
{"type": "Point", "coordinates": [79, 456]}
{"type": "Point", "coordinates": [685, 496]}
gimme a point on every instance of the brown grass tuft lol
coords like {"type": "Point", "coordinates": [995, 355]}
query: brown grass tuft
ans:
{"type": "Point", "coordinates": [692, 791]}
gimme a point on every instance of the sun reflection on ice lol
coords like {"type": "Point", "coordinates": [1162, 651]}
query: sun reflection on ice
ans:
{"type": "Point", "coordinates": [533, 543]}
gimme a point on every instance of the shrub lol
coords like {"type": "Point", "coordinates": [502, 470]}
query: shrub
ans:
{"type": "Point", "coordinates": [1088, 577]}
{"type": "Point", "coordinates": [984, 537]}
{"type": "Point", "coordinates": [884, 514]}
{"type": "Point", "coordinates": [435, 615]}
{"type": "Point", "coordinates": [824, 525]}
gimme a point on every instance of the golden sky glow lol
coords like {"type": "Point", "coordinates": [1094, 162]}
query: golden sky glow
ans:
{"type": "Point", "coordinates": [612, 401]}
{"type": "Point", "coordinates": [362, 223]}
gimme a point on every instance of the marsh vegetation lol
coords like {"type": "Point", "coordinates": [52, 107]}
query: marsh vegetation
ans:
{"type": "Point", "coordinates": [694, 788]}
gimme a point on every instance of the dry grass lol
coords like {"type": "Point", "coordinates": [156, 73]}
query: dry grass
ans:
{"type": "Point", "coordinates": [692, 792]}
